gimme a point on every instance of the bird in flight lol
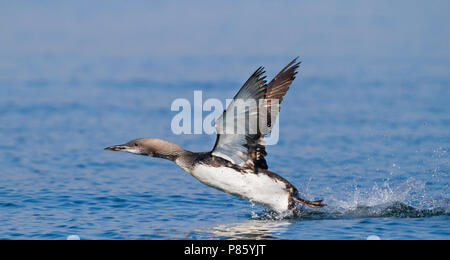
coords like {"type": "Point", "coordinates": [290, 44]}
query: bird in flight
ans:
{"type": "Point", "coordinates": [236, 164]}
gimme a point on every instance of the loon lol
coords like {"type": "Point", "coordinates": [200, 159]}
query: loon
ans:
{"type": "Point", "coordinates": [236, 165]}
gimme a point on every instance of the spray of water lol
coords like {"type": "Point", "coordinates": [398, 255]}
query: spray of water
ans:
{"type": "Point", "coordinates": [407, 200]}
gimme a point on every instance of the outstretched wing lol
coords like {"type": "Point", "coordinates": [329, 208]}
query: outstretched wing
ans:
{"type": "Point", "coordinates": [231, 144]}
{"type": "Point", "coordinates": [239, 135]}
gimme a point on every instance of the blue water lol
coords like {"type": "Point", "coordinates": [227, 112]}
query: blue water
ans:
{"type": "Point", "coordinates": [371, 140]}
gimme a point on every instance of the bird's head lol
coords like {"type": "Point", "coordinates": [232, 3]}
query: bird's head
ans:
{"type": "Point", "coordinates": [151, 147]}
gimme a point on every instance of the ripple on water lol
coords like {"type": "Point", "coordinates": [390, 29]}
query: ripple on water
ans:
{"type": "Point", "coordinates": [356, 144]}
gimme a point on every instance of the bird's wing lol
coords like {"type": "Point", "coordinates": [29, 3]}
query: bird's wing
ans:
{"type": "Point", "coordinates": [239, 130]}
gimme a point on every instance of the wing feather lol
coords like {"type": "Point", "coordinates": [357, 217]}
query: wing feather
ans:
{"type": "Point", "coordinates": [247, 148]}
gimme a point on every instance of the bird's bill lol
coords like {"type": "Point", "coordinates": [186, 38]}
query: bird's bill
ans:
{"type": "Point", "coordinates": [122, 148]}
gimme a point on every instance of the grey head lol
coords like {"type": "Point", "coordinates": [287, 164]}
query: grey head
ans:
{"type": "Point", "coordinates": [150, 147]}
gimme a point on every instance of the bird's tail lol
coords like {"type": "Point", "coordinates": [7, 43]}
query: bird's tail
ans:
{"type": "Point", "coordinates": [312, 204]}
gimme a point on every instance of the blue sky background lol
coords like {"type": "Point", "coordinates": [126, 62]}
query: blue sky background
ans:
{"type": "Point", "coordinates": [216, 40]}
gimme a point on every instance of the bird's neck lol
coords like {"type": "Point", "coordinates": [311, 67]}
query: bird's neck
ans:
{"type": "Point", "coordinates": [171, 155]}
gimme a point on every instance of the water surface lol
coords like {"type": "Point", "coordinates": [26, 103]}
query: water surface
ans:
{"type": "Point", "coordinates": [373, 144]}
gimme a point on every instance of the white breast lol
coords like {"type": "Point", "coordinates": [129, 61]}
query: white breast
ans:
{"type": "Point", "coordinates": [258, 188]}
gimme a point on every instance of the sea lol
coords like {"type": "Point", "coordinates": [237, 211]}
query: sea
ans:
{"type": "Point", "coordinates": [369, 137]}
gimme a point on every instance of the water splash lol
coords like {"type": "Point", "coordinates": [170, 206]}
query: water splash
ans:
{"type": "Point", "coordinates": [406, 200]}
{"type": "Point", "coordinates": [383, 194]}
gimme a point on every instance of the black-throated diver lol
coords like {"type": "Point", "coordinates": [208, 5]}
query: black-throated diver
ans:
{"type": "Point", "coordinates": [236, 165]}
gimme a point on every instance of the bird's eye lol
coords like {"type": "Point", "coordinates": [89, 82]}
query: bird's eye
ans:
{"type": "Point", "coordinates": [135, 144]}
